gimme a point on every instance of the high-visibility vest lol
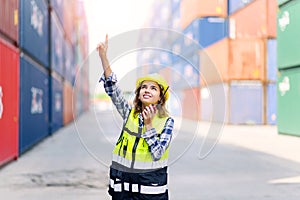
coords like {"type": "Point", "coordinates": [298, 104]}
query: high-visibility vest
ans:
{"type": "Point", "coordinates": [132, 151]}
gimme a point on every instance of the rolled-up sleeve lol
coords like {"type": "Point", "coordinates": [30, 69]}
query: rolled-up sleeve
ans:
{"type": "Point", "coordinates": [158, 143]}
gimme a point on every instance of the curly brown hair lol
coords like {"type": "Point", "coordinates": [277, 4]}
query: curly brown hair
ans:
{"type": "Point", "coordinates": [161, 106]}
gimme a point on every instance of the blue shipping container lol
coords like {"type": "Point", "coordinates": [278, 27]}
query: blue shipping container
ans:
{"type": "Point", "coordinates": [57, 41]}
{"type": "Point", "coordinates": [56, 104]}
{"type": "Point", "coordinates": [34, 107]}
{"type": "Point", "coordinates": [58, 7]}
{"type": "Point", "coordinates": [34, 30]}
{"type": "Point", "coordinates": [271, 104]}
{"type": "Point", "coordinates": [206, 31]}
{"type": "Point", "coordinates": [272, 60]}
{"type": "Point", "coordinates": [235, 5]}
{"type": "Point", "coordinates": [175, 5]}
{"type": "Point", "coordinates": [186, 72]}
{"type": "Point", "coordinates": [246, 102]}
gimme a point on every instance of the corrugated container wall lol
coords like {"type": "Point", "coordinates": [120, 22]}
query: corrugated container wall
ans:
{"type": "Point", "coordinates": [68, 103]}
{"type": "Point", "coordinates": [57, 48]}
{"type": "Point", "coordinates": [257, 20]}
{"type": "Point", "coordinates": [191, 103]}
{"type": "Point", "coordinates": [288, 30]}
{"type": "Point", "coordinates": [281, 2]}
{"type": "Point", "coordinates": [9, 102]}
{"type": "Point", "coordinates": [240, 59]}
{"type": "Point", "coordinates": [246, 102]}
{"type": "Point", "coordinates": [235, 5]}
{"type": "Point", "coordinates": [69, 23]}
{"type": "Point", "coordinates": [56, 103]}
{"type": "Point", "coordinates": [9, 19]}
{"type": "Point", "coordinates": [288, 94]}
{"type": "Point", "coordinates": [192, 9]}
{"type": "Point", "coordinates": [272, 60]}
{"type": "Point", "coordinates": [271, 104]}
{"type": "Point", "coordinates": [34, 30]}
{"type": "Point", "coordinates": [58, 7]}
{"type": "Point", "coordinates": [34, 103]}
{"type": "Point", "coordinates": [206, 31]}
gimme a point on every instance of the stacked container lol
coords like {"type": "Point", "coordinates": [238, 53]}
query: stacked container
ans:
{"type": "Point", "coordinates": [204, 23]}
{"type": "Point", "coordinates": [33, 75]}
{"type": "Point", "coordinates": [246, 62]}
{"type": "Point", "coordinates": [9, 101]}
{"type": "Point", "coordinates": [288, 47]}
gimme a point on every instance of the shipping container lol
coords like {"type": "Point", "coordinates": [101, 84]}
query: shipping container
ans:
{"type": "Point", "coordinates": [9, 19]}
{"type": "Point", "coordinates": [68, 103]}
{"type": "Point", "coordinates": [160, 17]}
{"type": "Point", "coordinates": [271, 103]}
{"type": "Point", "coordinates": [70, 21]}
{"type": "Point", "coordinates": [288, 30]}
{"type": "Point", "coordinates": [214, 99]}
{"type": "Point", "coordinates": [246, 102]}
{"type": "Point", "coordinates": [9, 101]}
{"type": "Point", "coordinates": [186, 73]}
{"type": "Point", "coordinates": [288, 98]}
{"type": "Point", "coordinates": [57, 49]}
{"type": "Point", "coordinates": [205, 32]}
{"type": "Point", "coordinates": [191, 103]}
{"type": "Point", "coordinates": [34, 30]}
{"type": "Point", "coordinates": [257, 20]}
{"type": "Point", "coordinates": [69, 71]}
{"type": "Point", "coordinates": [240, 59]}
{"type": "Point", "coordinates": [175, 20]}
{"type": "Point", "coordinates": [56, 102]}
{"type": "Point", "coordinates": [282, 2]}
{"type": "Point", "coordinates": [272, 60]}
{"type": "Point", "coordinates": [34, 103]}
{"type": "Point", "coordinates": [166, 73]}
{"type": "Point", "coordinates": [243, 102]}
{"type": "Point", "coordinates": [192, 9]}
{"type": "Point", "coordinates": [175, 4]}
{"type": "Point", "coordinates": [235, 5]}
{"type": "Point", "coordinates": [58, 7]}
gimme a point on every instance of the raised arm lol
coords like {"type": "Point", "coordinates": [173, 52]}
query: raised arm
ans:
{"type": "Point", "coordinates": [102, 50]}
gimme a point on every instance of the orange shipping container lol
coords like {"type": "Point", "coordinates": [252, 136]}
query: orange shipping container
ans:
{"type": "Point", "coordinates": [191, 103]}
{"type": "Point", "coordinates": [241, 59]}
{"type": "Point", "coordinates": [257, 20]}
{"type": "Point", "coordinates": [192, 9]}
{"type": "Point", "coordinates": [68, 107]}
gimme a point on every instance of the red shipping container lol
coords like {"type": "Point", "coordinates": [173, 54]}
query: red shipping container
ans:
{"type": "Point", "coordinates": [241, 59]}
{"type": "Point", "coordinates": [9, 19]}
{"type": "Point", "coordinates": [9, 101]}
{"type": "Point", "coordinates": [70, 20]}
{"type": "Point", "coordinates": [191, 103]}
{"type": "Point", "coordinates": [192, 9]}
{"type": "Point", "coordinates": [68, 103]}
{"type": "Point", "coordinates": [257, 20]}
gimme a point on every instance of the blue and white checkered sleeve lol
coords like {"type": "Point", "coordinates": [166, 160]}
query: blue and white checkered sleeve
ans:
{"type": "Point", "coordinates": [158, 145]}
{"type": "Point", "coordinates": [116, 95]}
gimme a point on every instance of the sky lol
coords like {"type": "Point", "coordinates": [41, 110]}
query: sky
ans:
{"type": "Point", "coordinates": [114, 17]}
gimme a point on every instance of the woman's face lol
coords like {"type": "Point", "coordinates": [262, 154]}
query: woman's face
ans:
{"type": "Point", "coordinates": [149, 93]}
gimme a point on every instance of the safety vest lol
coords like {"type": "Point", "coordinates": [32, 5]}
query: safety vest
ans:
{"type": "Point", "coordinates": [132, 151]}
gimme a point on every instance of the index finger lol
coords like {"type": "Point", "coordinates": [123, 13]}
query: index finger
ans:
{"type": "Point", "coordinates": [106, 39]}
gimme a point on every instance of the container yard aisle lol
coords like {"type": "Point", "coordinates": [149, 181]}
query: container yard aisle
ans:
{"type": "Point", "coordinates": [249, 162]}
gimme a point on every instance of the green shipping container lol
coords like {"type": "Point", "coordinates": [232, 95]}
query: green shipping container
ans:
{"type": "Point", "coordinates": [288, 33]}
{"type": "Point", "coordinates": [280, 2]}
{"type": "Point", "coordinates": [288, 98]}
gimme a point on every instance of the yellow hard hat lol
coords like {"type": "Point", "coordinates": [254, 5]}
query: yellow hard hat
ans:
{"type": "Point", "coordinates": [156, 78]}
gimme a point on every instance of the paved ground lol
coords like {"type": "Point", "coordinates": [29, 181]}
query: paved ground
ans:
{"type": "Point", "coordinates": [248, 162]}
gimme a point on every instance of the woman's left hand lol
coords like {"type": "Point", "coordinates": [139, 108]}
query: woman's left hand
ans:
{"type": "Point", "coordinates": [148, 114]}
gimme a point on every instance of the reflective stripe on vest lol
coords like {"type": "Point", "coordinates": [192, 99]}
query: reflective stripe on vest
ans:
{"type": "Point", "coordinates": [132, 151]}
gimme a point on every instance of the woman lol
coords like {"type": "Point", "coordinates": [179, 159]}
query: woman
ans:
{"type": "Point", "coordinates": [139, 159]}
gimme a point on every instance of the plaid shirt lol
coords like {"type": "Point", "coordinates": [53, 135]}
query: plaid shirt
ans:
{"type": "Point", "coordinates": [157, 145]}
